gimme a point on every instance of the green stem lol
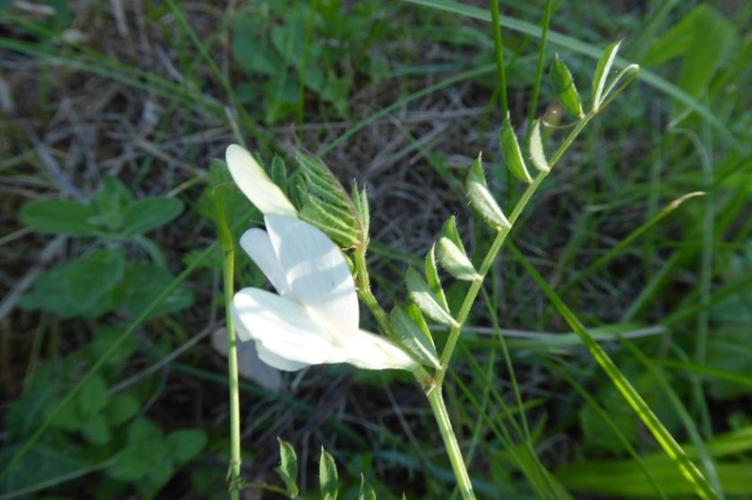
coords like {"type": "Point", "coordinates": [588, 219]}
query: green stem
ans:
{"type": "Point", "coordinates": [538, 70]}
{"type": "Point", "coordinates": [499, 45]}
{"type": "Point", "coordinates": [228, 273]}
{"type": "Point", "coordinates": [367, 296]}
{"type": "Point", "coordinates": [436, 400]}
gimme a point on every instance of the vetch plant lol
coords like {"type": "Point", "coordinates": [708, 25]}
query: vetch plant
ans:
{"type": "Point", "coordinates": [305, 252]}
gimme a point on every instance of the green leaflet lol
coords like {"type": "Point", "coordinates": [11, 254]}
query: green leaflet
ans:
{"type": "Point", "coordinates": [481, 198]}
{"type": "Point", "coordinates": [455, 260]}
{"type": "Point", "coordinates": [510, 148]}
{"type": "Point", "coordinates": [288, 467]}
{"type": "Point", "coordinates": [565, 88]}
{"type": "Point", "coordinates": [328, 480]}
{"type": "Point", "coordinates": [535, 146]}
{"type": "Point", "coordinates": [602, 70]}
{"type": "Point", "coordinates": [424, 298]}
{"type": "Point", "coordinates": [414, 337]}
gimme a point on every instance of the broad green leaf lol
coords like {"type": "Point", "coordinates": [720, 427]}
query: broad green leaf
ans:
{"type": "Point", "coordinates": [145, 215]}
{"type": "Point", "coordinates": [413, 338]}
{"type": "Point", "coordinates": [161, 469]}
{"type": "Point", "coordinates": [77, 288]}
{"type": "Point", "coordinates": [510, 148]}
{"type": "Point", "coordinates": [702, 38]}
{"type": "Point", "coordinates": [59, 217]}
{"type": "Point", "coordinates": [328, 480]}
{"type": "Point", "coordinates": [248, 49]}
{"type": "Point", "coordinates": [288, 467]}
{"type": "Point", "coordinates": [432, 277]}
{"type": "Point", "coordinates": [96, 430]}
{"type": "Point", "coordinates": [455, 261]}
{"type": "Point", "coordinates": [121, 408]}
{"type": "Point", "coordinates": [56, 458]}
{"type": "Point", "coordinates": [713, 36]}
{"type": "Point", "coordinates": [481, 198]}
{"type": "Point", "coordinates": [145, 456]}
{"type": "Point", "coordinates": [109, 204]}
{"type": "Point", "coordinates": [104, 336]}
{"type": "Point", "coordinates": [90, 277]}
{"type": "Point", "coordinates": [289, 40]}
{"type": "Point", "coordinates": [144, 431]}
{"type": "Point", "coordinates": [421, 294]}
{"type": "Point", "coordinates": [537, 153]}
{"type": "Point", "coordinates": [565, 88]}
{"type": "Point", "coordinates": [186, 444]}
{"type": "Point", "coordinates": [129, 465]}
{"type": "Point", "coordinates": [602, 69]}
{"type": "Point", "coordinates": [143, 282]}
{"type": "Point", "coordinates": [27, 412]}
{"type": "Point", "coordinates": [69, 418]}
{"type": "Point", "coordinates": [93, 396]}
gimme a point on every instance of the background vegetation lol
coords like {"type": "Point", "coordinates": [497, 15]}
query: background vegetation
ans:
{"type": "Point", "coordinates": [113, 115]}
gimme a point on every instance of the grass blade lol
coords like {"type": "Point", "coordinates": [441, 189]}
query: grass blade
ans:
{"type": "Point", "coordinates": [533, 110]}
{"type": "Point", "coordinates": [687, 468]}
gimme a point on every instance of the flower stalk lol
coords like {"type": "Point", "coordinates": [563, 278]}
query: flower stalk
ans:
{"type": "Point", "coordinates": [436, 400]}
{"type": "Point", "coordinates": [228, 272]}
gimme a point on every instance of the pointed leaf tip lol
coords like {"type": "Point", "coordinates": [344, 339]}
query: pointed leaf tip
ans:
{"type": "Point", "coordinates": [414, 337]}
{"type": "Point", "coordinates": [481, 199]}
{"type": "Point", "coordinates": [288, 467]}
{"type": "Point", "coordinates": [602, 70]}
{"type": "Point", "coordinates": [537, 153]}
{"type": "Point", "coordinates": [510, 148]}
{"type": "Point", "coordinates": [432, 277]}
{"type": "Point", "coordinates": [455, 260]}
{"type": "Point", "coordinates": [565, 88]}
{"type": "Point", "coordinates": [425, 299]}
{"type": "Point", "coordinates": [328, 479]}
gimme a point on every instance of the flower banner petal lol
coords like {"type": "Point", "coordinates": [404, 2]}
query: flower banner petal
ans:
{"type": "Point", "coordinates": [255, 184]}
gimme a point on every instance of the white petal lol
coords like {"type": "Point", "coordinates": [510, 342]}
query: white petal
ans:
{"type": "Point", "coordinates": [372, 352]}
{"type": "Point", "coordinates": [277, 362]}
{"type": "Point", "coordinates": [282, 327]}
{"type": "Point", "coordinates": [255, 184]}
{"type": "Point", "coordinates": [316, 272]}
{"type": "Point", "coordinates": [258, 246]}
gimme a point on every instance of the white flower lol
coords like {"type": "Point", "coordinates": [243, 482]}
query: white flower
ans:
{"type": "Point", "coordinates": [315, 317]}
